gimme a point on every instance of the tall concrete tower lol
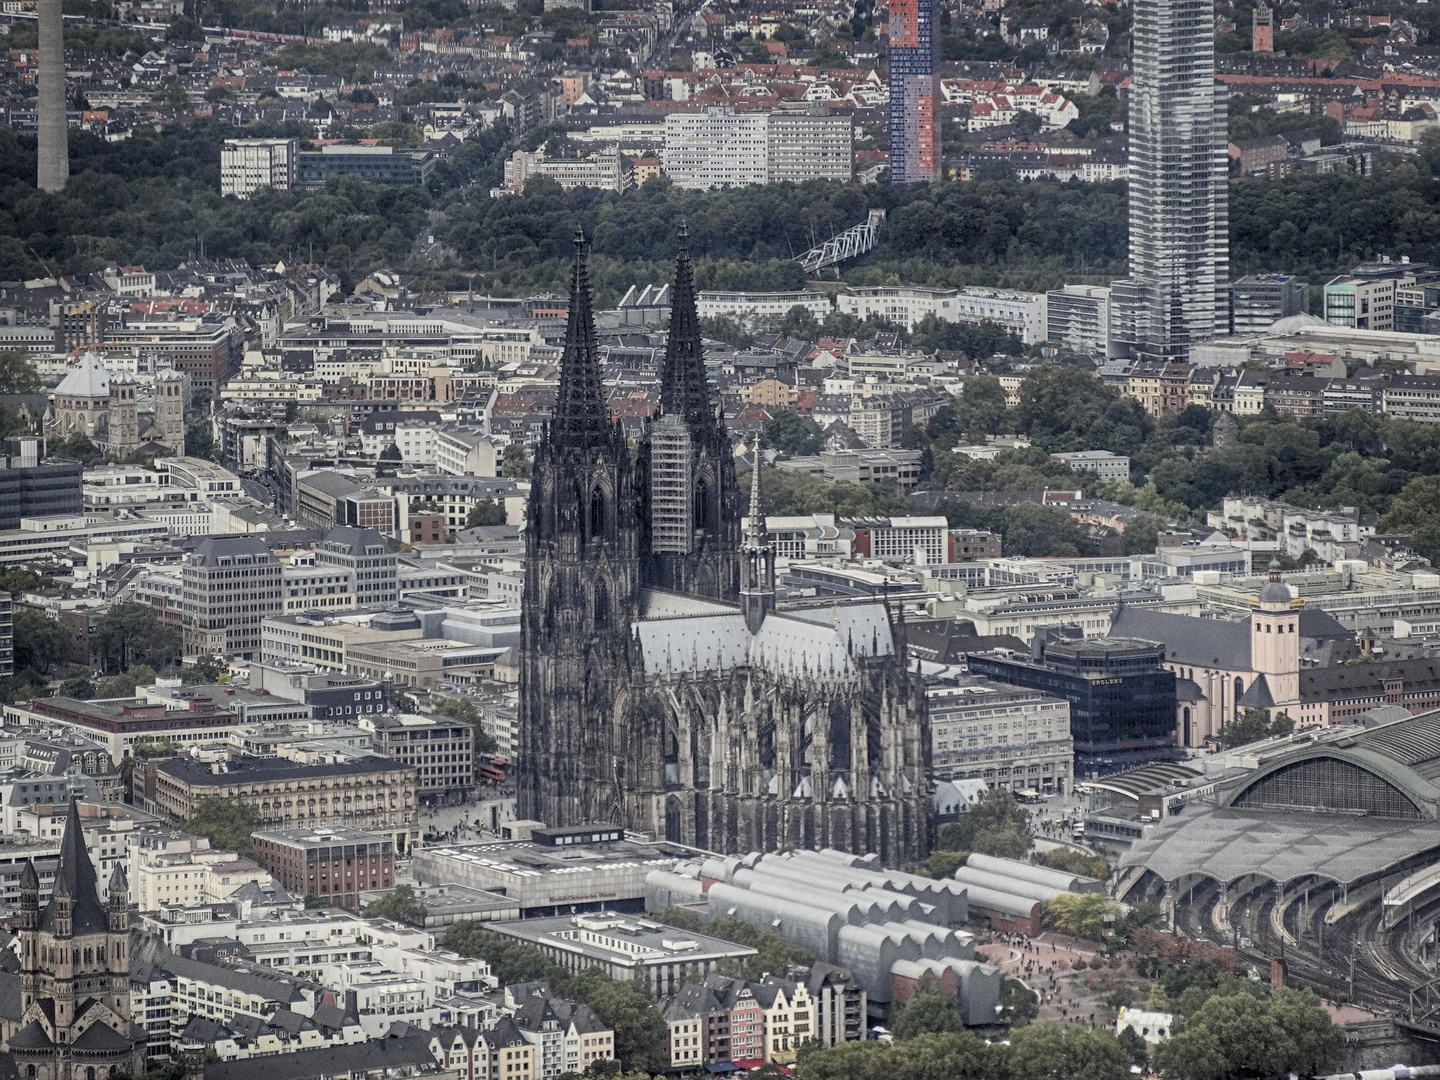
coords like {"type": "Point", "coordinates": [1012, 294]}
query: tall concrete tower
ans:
{"type": "Point", "coordinates": [1178, 288]}
{"type": "Point", "coordinates": [50, 78]}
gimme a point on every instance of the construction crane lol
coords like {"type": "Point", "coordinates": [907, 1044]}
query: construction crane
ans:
{"type": "Point", "coordinates": [847, 245]}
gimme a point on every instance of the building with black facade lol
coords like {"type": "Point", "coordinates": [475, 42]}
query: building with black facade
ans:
{"type": "Point", "coordinates": [33, 487]}
{"type": "Point", "coordinates": [1122, 701]}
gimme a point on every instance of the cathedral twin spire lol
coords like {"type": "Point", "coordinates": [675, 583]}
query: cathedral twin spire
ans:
{"type": "Point", "coordinates": [684, 388]}
{"type": "Point", "coordinates": [582, 417]}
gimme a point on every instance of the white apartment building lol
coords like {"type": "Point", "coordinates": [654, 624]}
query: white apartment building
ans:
{"type": "Point", "coordinates": [464, 453]}
{"type": "Point", "coordinates": [710, 303]}
{"type": "Point", "coordinates": [810, 146]}
{"type": "Point", "coordinates": [1078, 317]}
{"type": "Point", "coordinates": [603, 169]}
{"type": "Point", "coordinates": [1021, 313]}
{"type": "Point", "coordinates": [716, 148]}
{"type": "Point", "coordinates": [247, 165]}
{"type": "Point", "coordinates": [417, 442]}
{"type": "Point", "coordinates": [920, 540]}
{"type": "Point", "coordinates": [1104, 464]}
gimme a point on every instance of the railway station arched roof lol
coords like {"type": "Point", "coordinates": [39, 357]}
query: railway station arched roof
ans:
{"type": "Point", "coordinates": [1349, 803]}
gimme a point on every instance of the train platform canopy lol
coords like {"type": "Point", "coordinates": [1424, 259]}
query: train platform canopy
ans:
{"type": "Point", "coordinates": [1229, 843]}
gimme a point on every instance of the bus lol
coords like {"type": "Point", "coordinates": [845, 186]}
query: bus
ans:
{"type": "Point", "coordinates": [492, 770]}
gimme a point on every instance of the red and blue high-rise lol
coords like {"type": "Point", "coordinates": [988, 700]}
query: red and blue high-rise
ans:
{"type": "Point", "coordinates": [914, 92]}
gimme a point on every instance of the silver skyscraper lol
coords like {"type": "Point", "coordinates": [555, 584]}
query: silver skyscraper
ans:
{"type": "Point", "coordinates": [1177, 291]}
{"type": "Point", "coordinates": [54, 164]}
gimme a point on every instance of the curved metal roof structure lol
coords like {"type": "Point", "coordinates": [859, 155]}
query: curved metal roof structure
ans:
{"type": "Point", "coordinates": [1349, 804]}
{"type": "Point", "coordinates": [1229, 844]}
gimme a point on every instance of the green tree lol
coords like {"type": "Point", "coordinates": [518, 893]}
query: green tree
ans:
{"type": "Point", "coordinates": [486, 512]}
{"type": "Point", "coordinates": [1079, 914]}
{"type": "Point", "coordinates": [226, 823]}
{"type": "Point", "coordinates": [124, 684]}
{"type": "Point", "coordinates": [941, 863]}
{"type": "Point", "coordinates": [77, 683]}
{"type": "Point", "coordinates": [513, 462]}
{"type": "Point", "coordinates": [791, 435]}
{"type": "Point", "coordinates": [390, 453]}
{"type": "Point", "coordinates": [132, 633]}
{"type": "Point", "coordinates": [1134, 1044]}
{"type": "Point", "coordinates": [1416, 510]}
{"type": "Point", "coordinates": [206, 671]}
{"type": "Point", "coordinates": [399, 903]}
{"type": "Point", "coordinates": [994, 825]}
{"type": "Point", "coordinates": [946, 1056]}
{"type": "Point", "coordinates": [1074, 862]}
{"type": "Point", "coordinates": [928, 1012]}
{"type": "Point", "coordinates": [40, 641]}
{"type": "Point", "coordinates": [200, 441]}
{"type": "Point", "coordinates": [1243, 1034]}
{"type": "Point", "coordinates": [1141, 535]}
{"type": "Point", "coordinates": [1253, 725]}
{"type": "Point", "coordinates": [974, 339]}
{"type": "Point", "coordinates": [17, 373]}
{"type": "Point", "coordinates": [77, 447]}
{"type": "Point", "coordinates": [1046, 1050]}
{"type": "Point", "coordinates": [627, 1007]}
{"type": "Point", "coordinates": [980, 410]}
{"type": "Point", "coordinates": [1038, 530]}
{"type": "Point", "coordinates": [466, 711]}
{"type": "Point", "coordinates": [1021, 1004]}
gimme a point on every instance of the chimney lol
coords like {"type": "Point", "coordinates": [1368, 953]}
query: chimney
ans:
{"type": "Point", "coordinates": [54, 168]}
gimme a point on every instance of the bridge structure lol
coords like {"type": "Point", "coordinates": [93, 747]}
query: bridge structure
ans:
{"type": "Point", "coordinates": [849, 244]}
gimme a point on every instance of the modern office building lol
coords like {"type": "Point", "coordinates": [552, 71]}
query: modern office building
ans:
{"type": "Point", "coordinates": [1009, 736]}
{"type": "Point", "coordinates": [365, 555]}
{"type": "Point", "coordinates": [335, 863]}
{"type": "Point", "coordinates": [231, 584]}
{"type": "Point", "coordinates": [378, 164]}
{"type": "Point", "coordinates": [1259, 300]}
{"type": "Point", "coordinates": [7, 635]}
{"type": "Point", "coordinates": [914, 57]}
{"type": "Point", "coordinates": [247, 165]}
{"type": "Point", "coordinates": [1177, 291]}
{"type": "Point", "coordinates": [1078, 317]}
{"type": "Point", "coordinates": [1122, 701]}
{"type": "Point", "coordinates": [1364, 303]}
{"type": "Point", "coordinates": [31, 487]}
{"type": "Point", "coordinates": [441, 749]}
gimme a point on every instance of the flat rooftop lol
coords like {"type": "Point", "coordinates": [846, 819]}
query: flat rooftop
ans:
{"type": "Point", "coordinates": [524, 858]}
{"type": "Point", "coordinates": [610, 938]}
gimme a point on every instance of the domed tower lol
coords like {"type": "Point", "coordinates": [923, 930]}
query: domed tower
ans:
{"type": "Point", "coordinates": [75, 973]}
{"type": "Point", "coordinates": [1275, 637]}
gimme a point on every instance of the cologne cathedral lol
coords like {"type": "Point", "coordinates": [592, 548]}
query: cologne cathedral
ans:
{"type": "Point", "coordinates": [662, 687]}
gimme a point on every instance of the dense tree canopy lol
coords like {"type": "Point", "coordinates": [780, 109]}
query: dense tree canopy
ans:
{"type": "Point", "coordinates": [994, 825]}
